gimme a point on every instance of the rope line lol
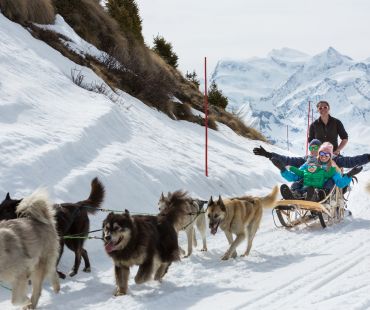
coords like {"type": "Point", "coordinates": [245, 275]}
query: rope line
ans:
{"type": "Point", "coordinates": [3, 286]}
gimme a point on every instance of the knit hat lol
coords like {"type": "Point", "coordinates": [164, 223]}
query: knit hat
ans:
{"type": "Point", "coordinates": [315, 142]}
{"type": "Point", "coordinates": [326, 147]}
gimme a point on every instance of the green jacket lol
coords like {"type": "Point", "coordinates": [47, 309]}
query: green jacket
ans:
{"type": "Point", "coordinates": [316, 179]}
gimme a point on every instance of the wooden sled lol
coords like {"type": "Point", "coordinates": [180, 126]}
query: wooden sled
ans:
{"type": "Point", "coordinates": [291, 213]}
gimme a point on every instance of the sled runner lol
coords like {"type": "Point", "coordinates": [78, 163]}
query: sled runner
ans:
{"type": "Point", "coordinates": [330, 210]}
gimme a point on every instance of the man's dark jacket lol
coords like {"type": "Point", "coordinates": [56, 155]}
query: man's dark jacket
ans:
{"type": "Point", "coordinates": [341, 161]}
{"type": "Point", "coordinates": [329, 132]}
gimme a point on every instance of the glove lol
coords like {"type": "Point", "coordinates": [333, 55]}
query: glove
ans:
{"type": "Point", "coordinates": [278, 164]}
{"type": "Point", "coordinates": [354, 171]}
{"type": "Point", "coordinates": [260, 151]}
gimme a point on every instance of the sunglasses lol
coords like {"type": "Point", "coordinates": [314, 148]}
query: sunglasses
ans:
{"type": "Point", "coordinates": [313, 148]}
{"type": "Point", "coordinates": [325, 154]}
{"type": "Point", "coordinates": [312, 165]}
{"type": "Point", "coordinates": [324, 107]}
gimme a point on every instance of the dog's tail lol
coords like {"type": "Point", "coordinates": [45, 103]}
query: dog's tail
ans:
{"type": "Point", "coordinates": [269, 200]}
{"type": "Point", "coordinates": [96, 197]}
{"type": "Point", "coordinates": [38, 207]}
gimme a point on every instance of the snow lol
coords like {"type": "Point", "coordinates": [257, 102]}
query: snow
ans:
{"type": "Point", "coordinates": [75, 43]}
{"type": "Point", "coordinates": [56, 134]}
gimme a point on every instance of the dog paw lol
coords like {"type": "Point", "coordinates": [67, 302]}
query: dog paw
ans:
{"type": "Point", "coordinates": [87, 269]}
{"type": "Point", "coordinates": [158, 278]}
{"type": "Point", "coordinates": [72, 273]}
{"type": "Point", "coordinates": [61, 275]}
{"type": "Point", "coordinates": [140, 279]}
{"type": "Point", "coordinates": [28, 307]}
{"type": "Point", "coordinates": [119, 292]}
{"type": "Point", "coordinates": [56, 288]}
{"type": "Point", "coordinates": [234, 255]}
{"type": "Point", "coordinates": [204, 250]}
{"type": "Point", "coordinates": [225, 256]}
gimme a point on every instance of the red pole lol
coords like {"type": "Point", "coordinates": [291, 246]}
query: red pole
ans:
{"type": "Point", "coordinates": [308, 125]}
{"type": "Point", "coordinates": [206, 113]}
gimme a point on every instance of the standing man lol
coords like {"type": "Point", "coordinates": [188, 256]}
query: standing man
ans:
{"type": "Point", "coordinates": [327, 128]}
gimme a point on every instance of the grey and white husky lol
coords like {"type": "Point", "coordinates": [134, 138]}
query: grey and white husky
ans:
{"type": "Point", "coordinates": [29, 249]}
{"type": "Point", "coordinates": [185, 213]}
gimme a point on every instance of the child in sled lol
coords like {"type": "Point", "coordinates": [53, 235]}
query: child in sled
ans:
{"type": "Point", "coordinates": [315, 173]}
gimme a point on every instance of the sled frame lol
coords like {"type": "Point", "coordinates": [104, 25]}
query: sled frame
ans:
{"type": "Point", "coordinates": [330, 210]}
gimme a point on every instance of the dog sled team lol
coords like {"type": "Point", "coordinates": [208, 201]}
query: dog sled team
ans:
{"type": "Point", "coordinates": [34, 231]}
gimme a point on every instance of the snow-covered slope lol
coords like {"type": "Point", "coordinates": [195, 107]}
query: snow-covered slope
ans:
{"type": "Point", "coordinates": [56, 134]}
{"type": "Point", "coordinates": [330, 76]}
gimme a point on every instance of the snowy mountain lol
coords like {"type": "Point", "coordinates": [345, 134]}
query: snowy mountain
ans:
{"type": "Point", "coordinates": [56, 134]}
{"type": "Point", "coordinates": [272, 104]}
{"type": "Point", "coordinates": [248, 80]}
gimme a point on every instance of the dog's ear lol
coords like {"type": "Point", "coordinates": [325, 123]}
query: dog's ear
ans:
{"type": "Point", "coordinates": [210, 201]}
{"type": "Point", "coordinates": [162, 196]}
{"type": "Point", "coordinates": [221, 204]}
{"type": "Point", "coordinates": [7, 196]}
{"type": "Point", "coordinates": [127, 212]}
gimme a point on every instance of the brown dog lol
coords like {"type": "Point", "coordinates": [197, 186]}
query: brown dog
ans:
{"type": "Point", "coordinates": [184, 213]}
{"type": "Point", "coordinates": [147, 241]}
{"type": "Point", "coordinates": [240, 216]}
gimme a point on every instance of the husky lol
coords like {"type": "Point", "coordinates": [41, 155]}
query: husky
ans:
{"type": "Point", "coordinates": [146, 241]}
{"type": "Point", "coordinates": [185, 213]}
{"type": "Point", "coordinates": [71, 218]}
{"type": "Point", "coordinates": [240, 216]}
{"type": "Point", "coordinates": [29, 249]}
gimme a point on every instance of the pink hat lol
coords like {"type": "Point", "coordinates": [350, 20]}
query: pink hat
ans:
{"type": "Point", "coordinates": [326, 147]}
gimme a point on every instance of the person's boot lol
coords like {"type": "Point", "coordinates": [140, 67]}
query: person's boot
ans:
{"type": "Point", "coordinates": [286, 192]}
{"type": "Point", "coordinates": [310, 194]}
{"type": "Point", "coordinates": [321, 194]}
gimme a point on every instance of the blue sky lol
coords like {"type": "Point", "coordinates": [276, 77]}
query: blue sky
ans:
{"type": "Point", "coordinates": [240, 29]}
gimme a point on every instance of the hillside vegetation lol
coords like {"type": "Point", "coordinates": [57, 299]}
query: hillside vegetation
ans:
{"type": "Point", "coordinates": [143, 73]}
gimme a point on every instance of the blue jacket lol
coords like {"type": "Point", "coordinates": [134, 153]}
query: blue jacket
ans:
{"type": "Point", "coordinates": [340, 181]}
{"type": "Point", "coordinates": [341, 161]}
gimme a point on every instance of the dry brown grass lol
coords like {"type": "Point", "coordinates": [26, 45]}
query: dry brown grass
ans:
{"type": "Point", "coordinates": [144, 74]}
{"type": "Point", "coordinates": [28, 11]}
{"type": "Point", "coordinates": [92, 23]}
{"type": "Point", "coordinates": [237, 125]}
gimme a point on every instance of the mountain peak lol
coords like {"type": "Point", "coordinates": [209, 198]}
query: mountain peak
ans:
{"type": "Point", "coordinates": [332, 54]}
{"type": "Point", "coordinates": [328, 59]}
{"type": "Point", "coordinates": [288, 54]}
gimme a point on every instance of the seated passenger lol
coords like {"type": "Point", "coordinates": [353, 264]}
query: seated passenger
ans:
{"type": "Point", "coordinates": [314, 177]}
